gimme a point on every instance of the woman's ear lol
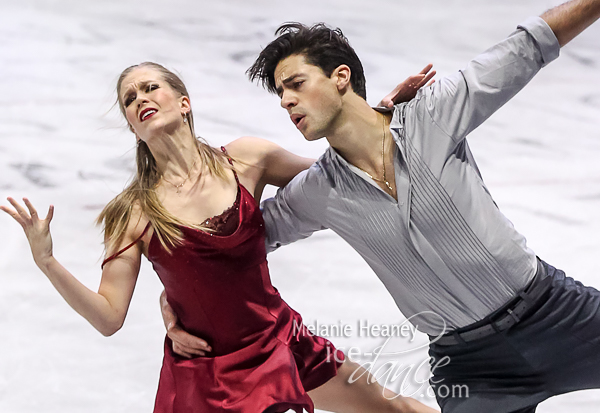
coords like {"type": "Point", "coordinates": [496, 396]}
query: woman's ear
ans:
{"type": "Point", "coordinates": [185, 104]}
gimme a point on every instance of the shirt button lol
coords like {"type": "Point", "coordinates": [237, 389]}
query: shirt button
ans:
{"type": "Point", "coordinates": [401, 203]}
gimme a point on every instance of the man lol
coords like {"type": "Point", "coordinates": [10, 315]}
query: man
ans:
{"type": "Point", "coordinates": [403, 189]}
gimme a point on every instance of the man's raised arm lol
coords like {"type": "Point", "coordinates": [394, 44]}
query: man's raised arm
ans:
{"type": "Point", "coordinates": [571, 18]}
{"type": "Point", "coordinates": [455, 105]}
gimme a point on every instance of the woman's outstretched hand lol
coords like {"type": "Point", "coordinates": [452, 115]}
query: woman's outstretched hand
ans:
{"type": "Point", "coordinates": [37, 230]}
{"type": "Point", "coordinates": [408, 89]}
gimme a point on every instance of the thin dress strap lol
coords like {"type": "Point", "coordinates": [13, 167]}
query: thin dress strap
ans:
{"type": "Point", "coordinates": [112, 257]}
{"type": "Point", "coordinates": [231, 163]}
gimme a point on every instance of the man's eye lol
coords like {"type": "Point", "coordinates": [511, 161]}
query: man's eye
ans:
{"type": "Point", "coordinates": [298, 84]}
{"type": "Point", "coordinates": [152, 87]}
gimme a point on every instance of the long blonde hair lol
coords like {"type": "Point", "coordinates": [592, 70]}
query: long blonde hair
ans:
{"type": "Point", "coordinates": [117, 213]}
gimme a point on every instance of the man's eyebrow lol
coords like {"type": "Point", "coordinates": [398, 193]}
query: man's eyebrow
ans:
{"type": "Point", "coordinates": [286, 81]}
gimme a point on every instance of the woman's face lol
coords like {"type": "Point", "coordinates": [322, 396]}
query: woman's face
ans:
{"type": "Point", "coordinates": [151, 106]}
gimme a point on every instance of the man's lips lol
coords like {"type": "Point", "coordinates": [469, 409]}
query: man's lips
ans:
{"type": "Point", "coordinates": [147, 113]}
{"type": "Point", "coordinates": [297, 119]}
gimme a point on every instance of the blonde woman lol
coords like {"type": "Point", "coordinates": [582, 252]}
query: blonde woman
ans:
{"type": "Point", "coordinates": [192, 211]}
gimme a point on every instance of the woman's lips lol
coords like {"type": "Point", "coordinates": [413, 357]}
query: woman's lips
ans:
{"type": "Point", "coordinates": [147, 113]}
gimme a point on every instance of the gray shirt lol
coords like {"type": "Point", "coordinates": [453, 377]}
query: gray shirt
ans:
{"type": "Point", "coordinates": [444, 251]}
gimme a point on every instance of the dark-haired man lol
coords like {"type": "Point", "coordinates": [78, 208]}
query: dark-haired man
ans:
{"type": "Point", "coordinates": [403, 189]}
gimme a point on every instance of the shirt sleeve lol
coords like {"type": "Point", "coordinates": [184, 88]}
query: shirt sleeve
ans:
{"type": "Point", "coordinates": [459, 103]}
{"type": "Point", "coordinates": [296, 211]}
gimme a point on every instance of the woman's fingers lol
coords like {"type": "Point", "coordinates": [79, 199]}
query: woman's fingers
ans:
{"type": "Point", "coordinates": [407, 90]}
{"type": "Point", "coordinates": [427, 78]}
{"type": "Point", "coordinates": [426, 69]}
{"type": "Point", "coordinates": [14, 212]}
{"type": "Point", "coordinates": [9, 211]}
{"type": "Point", "coordinates": [32, 210]}
{"type": "Point", "coordinates": [36, 231]}
{"type": "Point", "coordinates": [20, 210]}
{"type": "Point", "coordinates": [27, 219]}
{"type": "Point", "coordinates": [21, 215]}
{"type": "Point", "coordinates": [416, 81]}
{"type": "Point", "coordinates": [50, 213]}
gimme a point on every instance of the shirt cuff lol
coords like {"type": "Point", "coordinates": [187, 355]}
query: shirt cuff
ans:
{"type": "Point", "coordinates": [543, 36]}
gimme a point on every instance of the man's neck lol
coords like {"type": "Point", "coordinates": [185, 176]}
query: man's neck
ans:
{"type": "Point", "coordinates": [357, 134]}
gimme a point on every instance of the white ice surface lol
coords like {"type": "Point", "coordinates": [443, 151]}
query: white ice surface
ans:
{"type": "Point", "coordinates": [61, 143]}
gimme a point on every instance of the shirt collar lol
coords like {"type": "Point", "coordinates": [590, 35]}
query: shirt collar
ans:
{"type": "Point", "coordinates": [394, 124]}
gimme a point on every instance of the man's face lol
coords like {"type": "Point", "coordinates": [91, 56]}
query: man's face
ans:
{"type": "Point", "coordinates": [312, 99]}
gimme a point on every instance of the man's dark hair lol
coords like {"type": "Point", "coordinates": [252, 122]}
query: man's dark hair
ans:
{"type": "Point", "coordinates": [321, 46]}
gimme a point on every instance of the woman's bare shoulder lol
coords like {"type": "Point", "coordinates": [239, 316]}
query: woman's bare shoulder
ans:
{"type": "Point", "coordinates": [138, 220]}
{"type": "Point", "coordinates": [134, 229]}
{"type": "Point", "coordinates": [251, 150]}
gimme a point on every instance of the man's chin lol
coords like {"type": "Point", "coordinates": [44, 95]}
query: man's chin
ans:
{"type": "Point", "coordinates": [312, 136]}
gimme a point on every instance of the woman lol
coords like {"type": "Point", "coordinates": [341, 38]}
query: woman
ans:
{"type": "Point", "coordinates": [214, 269]}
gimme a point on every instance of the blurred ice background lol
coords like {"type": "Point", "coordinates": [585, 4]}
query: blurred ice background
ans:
{"type": "Point", "coordinates": [62, 142]}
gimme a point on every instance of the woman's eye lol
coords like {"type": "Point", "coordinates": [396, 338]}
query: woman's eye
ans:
{"type": "Point", "coordinates": [129, 100]}
{"type": "Point", "coordinates": [152, 87]}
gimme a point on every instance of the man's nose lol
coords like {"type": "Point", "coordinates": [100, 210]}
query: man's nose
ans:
{"type": "Point", "coordinates": [288, 100]}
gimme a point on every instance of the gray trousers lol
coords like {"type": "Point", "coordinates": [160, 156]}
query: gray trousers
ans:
{"type": "Point", "coordinates": [554, 349]}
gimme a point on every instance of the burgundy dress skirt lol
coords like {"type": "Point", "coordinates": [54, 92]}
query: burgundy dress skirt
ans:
{"type": "Point", "coordinates": [263, 358]}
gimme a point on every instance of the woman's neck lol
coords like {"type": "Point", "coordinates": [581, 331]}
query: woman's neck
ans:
{"type": "Point", "coordinates": [176, 155]}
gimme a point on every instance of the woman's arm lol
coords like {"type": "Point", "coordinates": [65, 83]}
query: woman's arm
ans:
{"type": "Point", "coordinates": [281, 166]}
{"type": "Point", "coordinates": [262, 162]}
{"type": "Point", "coordinates": [408, 89]}
{"type": "Point", "coordinates": [106, 309]}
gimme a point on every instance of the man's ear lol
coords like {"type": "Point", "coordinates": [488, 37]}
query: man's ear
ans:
{"type": "Point", "coordinates": [342, 74]}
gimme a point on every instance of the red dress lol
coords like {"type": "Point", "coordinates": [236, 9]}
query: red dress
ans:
{"type": "Point", "coordinates": [263, 358]}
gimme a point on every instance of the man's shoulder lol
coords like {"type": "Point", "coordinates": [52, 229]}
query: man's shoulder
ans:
{"type": "Point", "coordinates": [324, 162]}
{"type": "Point", "coordinates": [318, 179]}
{"type": "Point", "coordinates": [326, 167]}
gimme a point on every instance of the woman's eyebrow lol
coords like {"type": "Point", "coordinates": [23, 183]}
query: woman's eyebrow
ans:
{"type": "Point", "coordinates": [140, 85]}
